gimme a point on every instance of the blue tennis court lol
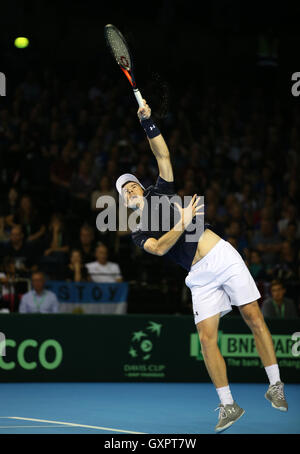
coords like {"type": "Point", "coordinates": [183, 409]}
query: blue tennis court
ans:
{"type": "Point", "coordinates": [152, 408]}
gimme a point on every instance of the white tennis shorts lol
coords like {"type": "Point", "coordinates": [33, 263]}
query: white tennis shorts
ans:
{"type": "Point", "coordinates": [218, 281]}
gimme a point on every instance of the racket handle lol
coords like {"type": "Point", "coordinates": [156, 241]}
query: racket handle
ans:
{"type": "Point", "coordinates": [138, 96]}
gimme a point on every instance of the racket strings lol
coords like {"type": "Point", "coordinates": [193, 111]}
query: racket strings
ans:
{"type": "Point", "coordinates": [118, 48]}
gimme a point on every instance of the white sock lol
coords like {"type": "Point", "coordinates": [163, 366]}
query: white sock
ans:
{"type": "Point", "coordinates": [273, 373]}
{"type": "Point", "coordinates": [225, 395]}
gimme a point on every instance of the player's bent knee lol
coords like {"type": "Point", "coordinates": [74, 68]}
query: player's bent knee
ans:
{"type": "Point", "coordinates": [208, 331]}
{"type": "Point", "coordinates": [208, 339]}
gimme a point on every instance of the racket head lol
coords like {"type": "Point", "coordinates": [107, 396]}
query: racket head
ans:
{"type": "Point", "coordinates": [118, 47]}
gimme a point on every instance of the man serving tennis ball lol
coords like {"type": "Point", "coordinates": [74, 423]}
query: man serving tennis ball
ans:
{"type": "Point", "coordinates": [217, 276]}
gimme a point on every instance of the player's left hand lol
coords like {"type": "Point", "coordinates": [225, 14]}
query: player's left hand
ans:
{"type": "Point", "coordinates": [144, 112]}
{"type": "Point", "coordinates": [193, 209]}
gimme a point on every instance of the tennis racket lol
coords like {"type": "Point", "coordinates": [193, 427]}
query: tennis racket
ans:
{"type": "Point", "coordinates": [120, 51]}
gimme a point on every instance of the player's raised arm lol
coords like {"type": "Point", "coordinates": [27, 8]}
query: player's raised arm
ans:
{"type": "Point", "coordinates": [157, 143]}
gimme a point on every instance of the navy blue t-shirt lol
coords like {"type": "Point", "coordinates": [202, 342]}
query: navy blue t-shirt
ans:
{"type": "Point", "coordinates": [159, 216]}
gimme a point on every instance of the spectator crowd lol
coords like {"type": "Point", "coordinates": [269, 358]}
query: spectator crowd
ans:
{"type": "Point", "coordinates": [64, 143]}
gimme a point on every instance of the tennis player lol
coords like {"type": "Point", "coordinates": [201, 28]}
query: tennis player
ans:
{"type": "Point", "coordinates": [217, 276]}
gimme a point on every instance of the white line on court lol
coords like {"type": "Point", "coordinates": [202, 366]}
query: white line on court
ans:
{"type": "Point", "coordinates": [74, 425]}
{"type": "Point", "coordinates": [15, 427]}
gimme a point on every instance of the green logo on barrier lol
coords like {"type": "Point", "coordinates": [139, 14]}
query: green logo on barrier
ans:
{"type": "Point", "coordinates": [140, 352]}
{"type": "Point", "coordinates": [243, 346]}
{"type": "Point", "coordinates": [22, 351]}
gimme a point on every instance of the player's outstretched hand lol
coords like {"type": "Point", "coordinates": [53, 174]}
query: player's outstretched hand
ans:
{"type": "Point", "coordinates": [193, 209]}
{"type": "Point", "coordinates": [144, 112]}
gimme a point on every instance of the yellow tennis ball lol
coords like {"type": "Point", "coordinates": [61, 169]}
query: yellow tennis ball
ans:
{"type": "Point", "coordinates": [21, 42]}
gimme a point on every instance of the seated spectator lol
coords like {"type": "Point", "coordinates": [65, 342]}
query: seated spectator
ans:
{"type": "Point", "coordinates": [245, 197]}
{"type": "Point", "coordinates": [62, 169]}
{"type": "Point", "coordinates": [4, 235]}
{"type": "Point", "coordinates": [278, 306]}
{"type": "Point", "coordinates": [10, 289]}
{"type": "Point", "coordinates": [289, 214]}
{"type": "Point", "coordinates": [286, 267]}
{"type": "Point", "coordinates": [10, 205]}
{"type": "Point", "coordinates": [21, 251]}
{"type": "Point", "coordinates": [56, 247]}
{"type": "Point", "coordinates": [238, 215]}
{"type": "Point", "coordinates": [112, 168]}
{"type": "Point", "coordinates": [267, 242]}
{"type": "Point", "coordinates": [109, 204]}
{"type": "Point", "coordinates": [61, 172]}
{"type": "Point", "coordinates": [76, 271]}
{"type": "Point", "coordinates": [237, 180]}
{"type": "Point", "coordinates": [39, 299]}
{"type": "Point", "coordinates": [212, 218]}
{"type": "Point", "coordinates": [293, 189]}
{"type": "Point", "coordinates": [256, 267]}
{"type": "Point", "coordinates": [102, 270]}
{"type": "Point", "coordinates": [105, 188]}
{"type": "Point", "coordinates": [224, 208]}
{"type": "Point", "coordinates": [81, 188]}
{"type": "Point", "coordinates": [86, 244]}
{"type": "Point", "coordinates": [28, 218]}
{"type": "Point", "coordinates": [234, 230]}
{"type": "Point", "coordinates": [290, 235]}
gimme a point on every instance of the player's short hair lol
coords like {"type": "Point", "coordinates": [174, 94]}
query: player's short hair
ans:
{"type": "Point", "coordinates": [124, 179]}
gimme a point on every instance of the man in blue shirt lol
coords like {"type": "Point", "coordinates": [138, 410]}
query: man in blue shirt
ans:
{"type": "Point", "coordinates": [218, 277]}
{"type": "Point", "coordinates": [39, 300]}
